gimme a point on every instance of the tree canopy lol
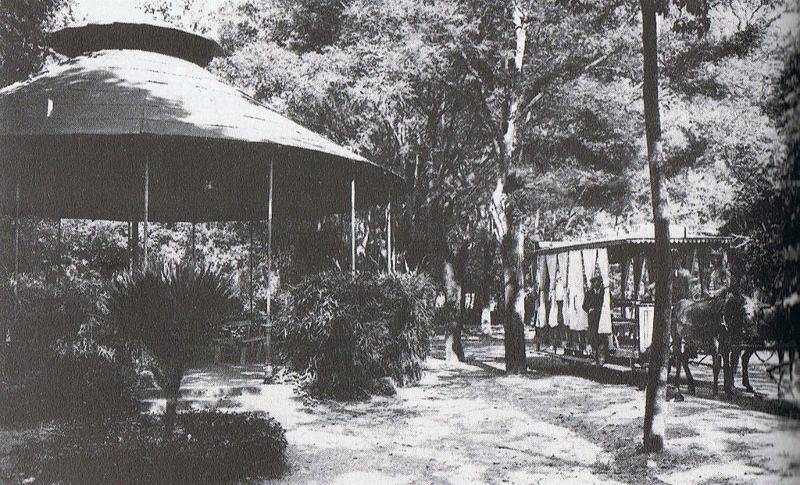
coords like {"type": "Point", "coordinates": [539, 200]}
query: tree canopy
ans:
{"type": "Point", "coordinates": [23, 28]}
{"type": "Point", "coordinates": [421, 87]}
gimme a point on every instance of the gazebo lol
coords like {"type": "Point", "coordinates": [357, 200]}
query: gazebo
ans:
{"type": "Point", "coordinates": [132, 127]}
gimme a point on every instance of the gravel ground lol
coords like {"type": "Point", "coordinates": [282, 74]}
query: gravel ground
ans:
{"type": "Point", "coordinates": [468, 423]}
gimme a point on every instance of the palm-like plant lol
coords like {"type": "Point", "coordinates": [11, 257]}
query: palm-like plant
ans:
{"type": "Point", "coordinates": [173, 311]}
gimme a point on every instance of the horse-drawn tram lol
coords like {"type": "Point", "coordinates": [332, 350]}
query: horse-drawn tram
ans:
{"type": "Point", "coordinates": [560, 277]}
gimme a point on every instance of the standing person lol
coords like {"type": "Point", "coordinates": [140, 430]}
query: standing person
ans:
{"type": "Point", "coordinates": [593, 306]}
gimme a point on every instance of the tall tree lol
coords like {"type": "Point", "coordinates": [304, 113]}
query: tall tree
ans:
{"type": "Point", "coordinates": [655, 394]}
{"type": "Point", "coordinates": [698, 21]}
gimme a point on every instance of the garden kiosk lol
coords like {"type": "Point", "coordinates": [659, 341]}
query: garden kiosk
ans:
{"type": "Point", "coordinates": [132, 127]}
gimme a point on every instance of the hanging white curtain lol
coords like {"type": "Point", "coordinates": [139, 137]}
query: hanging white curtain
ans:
{"type": "Point", "coordinates": [645, 290]}
{"type": "Point", "coordinates": [561, 289]}
{"type": "Point", "coordinates": [552, 268]}
{"type": "Point", "coordinates": [589, 261]}
{"type": "Point", "coordinates": [605, 314]}
{"type": "Point", "coordinates": [630, 280]}
{"type": "Point", "coordinates": [578, 318]}
{"type": "Point", "coordinates": [646, 313]}
{"type": "Point", "coordinates": [541, 287]}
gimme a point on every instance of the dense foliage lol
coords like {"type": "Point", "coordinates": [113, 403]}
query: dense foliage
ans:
{"type": "Point", "coordinates": [207, 447]}
{"type": "Point", "coordinates": [172, 311]}
{"type": "Point", "coordinates": [44, 323]}
{"type": "Point", "coordinates": [347, 331]}
{"type": "Point", "coordinates": [87, 385]}
{"type": "Point", "coordinates": [52, 365]}
{"type": "Point", "coordinates": [23, 29]}
{"type": "Point", "coordinates": [767, 220]}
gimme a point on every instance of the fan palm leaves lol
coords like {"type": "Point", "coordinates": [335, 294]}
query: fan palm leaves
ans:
{"type": "Point", "coordinates": [173, 311]}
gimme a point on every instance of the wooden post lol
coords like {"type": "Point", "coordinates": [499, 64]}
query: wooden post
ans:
{"type": "Point", "coordinates": [250, 271]}
{"type": "Point", "coordinates": [130, 246]}
{"type": "Point", "coordinates": [58, 254]}
{"type": "Point", "coordinates": [269, 277]}
{"type": "Point", "coordinates": [389, 246]}
{"type": "Point", "coordinates": [146, 209]}
{"type": "Point", "coordinates": [193, 242]}
{"type": "Point", "coordinates": [133, 245]}
{"type": "Point", "coordinates": [17, 191]}
{"type": "Point", "coordinates": [353, 224]}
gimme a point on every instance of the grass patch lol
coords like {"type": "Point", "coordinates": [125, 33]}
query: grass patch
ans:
{"type": "Point", "coordinates": [678, 431]}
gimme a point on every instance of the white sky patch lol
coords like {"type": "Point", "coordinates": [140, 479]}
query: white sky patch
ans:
{"type": "Point", "coordinates": [105, 11]}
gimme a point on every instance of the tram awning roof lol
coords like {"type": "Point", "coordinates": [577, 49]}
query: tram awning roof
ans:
{"type": "Point", "coordinates": [630, 242]}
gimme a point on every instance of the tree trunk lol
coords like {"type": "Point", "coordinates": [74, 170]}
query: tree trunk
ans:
{"type": "Point", "coordinates": [655, 396]}
{"type": "Point", "coordinates": [170, 382]}
{"type": "Point", "coordinates": [458, 270]}
{"type": "Point", "coordinates": [454, 350]}
{"type": "Point", "coordinates": [512, 242]}
{"type": "Point", "coordinates": [514, 329]}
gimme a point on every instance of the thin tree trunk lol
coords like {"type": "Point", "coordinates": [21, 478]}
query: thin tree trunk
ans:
{"type": "Point", "coordinates": [454, 280]}
{"type": "Point", "coordinates": [170, 382]}
{"type": "Point", "coordinates": [655, 396]}
{"type": "Point", "coordinates": [514, 329]}
{"type": "Point", "coordinates": [512, 242]}
{"type": "Point", "coordinates": [454, 350]}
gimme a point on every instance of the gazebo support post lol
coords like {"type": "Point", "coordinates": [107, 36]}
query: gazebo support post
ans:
{"type": "Point", "coordinates": [193, 243]}
{"type": "Point", "coordinates": [17, 191]}
{"type": "Point", "coordinates": [133, 245]}
{"type": "Point", "coordinates": [389, 245]}
{"type": "Point", "coordinates": [145, 263]}
{"type": "Point", "coordinates": [250, 271]}
{"type": "Point", "coordinates": [59, 257]}
{"type": "Point", "coordinates": [267, 370]}
{"type": "Point", "coordinates": [353, 224]}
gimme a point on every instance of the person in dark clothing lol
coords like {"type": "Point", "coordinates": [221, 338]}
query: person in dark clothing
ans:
{"type": "Point", "coordinates": [593, 306]}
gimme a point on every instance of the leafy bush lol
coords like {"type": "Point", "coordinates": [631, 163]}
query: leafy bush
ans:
{"type": "Point", "coordinates": [47, 318]}
{"type": "Point", "coordinates": [206, 447]}
{"type": "Point", "coordinates": [87, 385]}
{"type": "Point", "coordinates": [347, 331]}
{"type": "Point", "coordinates": [51, 366]}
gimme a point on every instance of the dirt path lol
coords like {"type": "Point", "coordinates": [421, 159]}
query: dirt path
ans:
{"type": "Point", "coordinates": [466, 424]}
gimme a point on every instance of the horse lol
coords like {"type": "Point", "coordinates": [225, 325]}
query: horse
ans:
{"type": "Point", "coordinates": [711, 324]}
{"type": "Point", "coordinates": [771, 325]}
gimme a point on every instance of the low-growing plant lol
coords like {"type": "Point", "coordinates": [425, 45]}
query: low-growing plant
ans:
{"type": "Point", "coordinates": [52, 368]}
{"type": "Point", "coordinates": [349, 330]}
{"type": "Point", "coordinates": [73, 385]}
{"type": "Point", "coordinates": [206, 447]}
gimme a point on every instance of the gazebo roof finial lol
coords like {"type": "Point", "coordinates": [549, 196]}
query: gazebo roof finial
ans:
{"type": "Point", "coordinates": [148, 36]}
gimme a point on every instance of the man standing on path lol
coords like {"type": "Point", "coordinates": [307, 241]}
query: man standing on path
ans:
{"type": "Point", "coordinates": [593, 305]}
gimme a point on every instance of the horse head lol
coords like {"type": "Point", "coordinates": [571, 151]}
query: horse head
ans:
{"type": "Point", "coordinates": [734, 312]}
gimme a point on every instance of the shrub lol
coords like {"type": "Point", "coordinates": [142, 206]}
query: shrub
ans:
{"type": "Point", "coordinates": [347, 331]}
{"type": "Point", "coordinates": [87, 385]}
{"type": "Point", "coordinates": [173, 311]}
{"type": "Point", "coordinates": [206, 447]}
{"type": "Point", "coordinates": [47, 318]}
